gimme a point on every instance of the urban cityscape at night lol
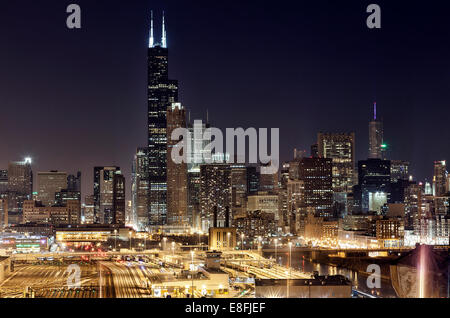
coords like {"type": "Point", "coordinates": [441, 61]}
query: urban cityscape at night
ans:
{"type": "Point", "coordinates": [234, 150]}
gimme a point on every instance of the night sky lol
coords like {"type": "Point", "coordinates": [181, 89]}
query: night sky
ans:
{"type": "Point", "coordinates": [74, 99]}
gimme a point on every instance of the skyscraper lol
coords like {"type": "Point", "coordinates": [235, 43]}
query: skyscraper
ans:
{"type": "Point", "coordinates": [316, 174]}
{"type": "Point", "coordinates": [49, 183]}
{"type": "Point", "coordinates": [176, 171]}
{"type": "Point", "coordinates": [399, 170]}
{"type": "Point", "coordinates": [109, 195]}
{"type": "Point", "coordinates": [374, 184]}
{"type": "Point", "coordinates": [140, 189]}
{"type": "Point", "coordinates": [215, 192]}
{"type": "Point", "coordinates": [162, 92]}
{"type": "Point", "coordinates": [20, 177]}
{"type": "Point", "coordinates": [376, 146]}
{"type": "Point", "coordinates": [439, 178]}
{"type": "Point", "coordinates": [3, 182]}
{"type": "Point", "coordinates": [199, 154]}
{"type": "Point", "coordinates": [20, 185]}
{"type": "Point", "coordinates": [340, 147]}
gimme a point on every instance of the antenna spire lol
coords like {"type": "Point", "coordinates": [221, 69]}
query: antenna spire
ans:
{"type": "Point", "coordinates": [152, 40]}
{"type": "Point", "coordinates": [164, 37]}
{"type": "Point", "coordinates": [375, 111]}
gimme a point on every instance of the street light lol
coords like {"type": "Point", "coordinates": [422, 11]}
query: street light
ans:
{"type": "Point", "coordinates": [290, 259]}
{"type": "Point", "coordinates": [115, 239]}
{"type": "Point", "coordinates": [173, 248]}
{"type": "Point", "coordinates": [192, 274]}
{"type": "Point", "coordinates": [242, 241]}
{"type": "Point", "coordinates": [164, 245]}
{"type": "Point", "coordinates": [130, 233]}
{"type": "Point", "coordinates": [276, 245]}
{"type": "Point", "coordinates": [228, 239]}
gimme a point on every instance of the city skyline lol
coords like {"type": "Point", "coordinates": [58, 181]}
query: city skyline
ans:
{"type": "Point", "coordinates": [237, 150]}
{"type": "Point", "coordinates": [109, 148]}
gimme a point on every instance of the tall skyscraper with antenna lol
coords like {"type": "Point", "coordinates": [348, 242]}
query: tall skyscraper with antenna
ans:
{"type": "Point", "coordinates": [376, 146]}
{"type": "Point", "coordinates": [162, 92]}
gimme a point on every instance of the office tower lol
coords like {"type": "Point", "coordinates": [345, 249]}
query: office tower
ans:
{"type": "Point", "coordinates": [176, 171]}
{"type": "Point", "coordinates": [3, 182]}
{"type": "Point", "coordinates": [74, 182]}
{"type": "Point", "coordinates": [118, 198]}
{"type": "Point", "coordinates": [314, 150]}
{"type": "Point", "coordinates": [374, 184]}
{"type": "Point", "coordinates": [428, 189]}
{"type": "Point", "coordinates": [88, 209]}
{"type": "Point", "coordinates": [439, 178]}
{"type": "Point", "coordinates": [268, 182]}
{"type": "Point", "coordinates": [48, 184]}
{"type": "Point", "coordinates": [376, 146]}
{"type": "Point", "coordinates": [316, 174]}
{"type": "Point", "coordinates": [198, 156]}
{"type": "Point", "coordinates": [253, 179]}
{"type": "Point", "coordinates": [447, 184]}
{"type": "Point", "coordinates": [140, 189]}
{"type": "Point", "coordinates": [109, 191]}
{"type": "Point", "coordinates": [20, 186]}
{"type": "Point", "coordinates": [20, 177]}
{"type": "Point", "coordinates": [36, 212]}
{"type": "Point", "coordinates": [283, 197]}
{"type": "Point", "coordinates": [129, 216]}
{"type": "Point", "coordinates": [215, 192]}
{"type": "Point", "coordinates": [399, 170]}
{"type": "Point", "coordinates": [340, 147]}
{"type": "Point", "coordinates": [3, 213]}
{"type": "Point", "coordinates": [414, 197]}
{"type": "Point", "coordinates": [238, 188]}
{"type": "Point", "coordinates": [162, 92]}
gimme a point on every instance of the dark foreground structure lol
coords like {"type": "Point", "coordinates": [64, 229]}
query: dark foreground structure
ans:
{"type": "Point", "coordinates": [336, 286]}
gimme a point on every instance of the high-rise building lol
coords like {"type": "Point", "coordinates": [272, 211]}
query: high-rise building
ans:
{"type": "Point", "coordinates": [340, 147]}
{"type": "Point", "coordinates": [316, 175]}
{"type": "Point", "coordinates": [74, 182]}
{"type": "Point", "coordinates": [162, 92]}
{"type": "Point", "coordinates": [88, 210]}
{"type": "Point", "coordinates": [199, 155]}
{"type": "Point", "coordinates": [238, 188]}
{"type": "Point", "coordinates": [48, 184]}
{"type": "Point", "coordinates": [3, 213]}
{"type": "Point", "coordinates": [176, 171]}
{"type": "Point", "coordinates": [374, 184]}
{"type": "Point", "coordinates": [399, 170]}
{"type": "Point", "coordinates": [20, 185]}
{"type": "Point", "coordinates": [140, 189]}
{"type": "Point", "coordinates": [109, 195]}
{"type": "Point", "coordinates": [20, 177]}
{"type": "Point", "coordinates": [439, 178]}
{"type": "Point", "coordinates": [376, 146]}
{"type": "Point", "coordinates": [3, 182]}
{"type": "Point", "coordinates": [215, 193]}
{"type": "Point", "coordinates": [268, 182]}
{"type": "Point", "coordinates": [118, 199]}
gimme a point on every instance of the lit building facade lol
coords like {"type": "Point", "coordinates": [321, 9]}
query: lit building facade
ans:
{"type": "Point", "coordinates": [109, 195]}
{"type": "Point", "coordinates": [215, 191]}
{"type": "Point", "coordinates": [439, 178]}
{"type": "Point", "coordinates": [162, 92]}
{"type": "Point", "coordinates": [176, 171]}
{"type": "Point", "coordinates": [140, 189]}
{"type": "Point", "coordinates": [48, 184]}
